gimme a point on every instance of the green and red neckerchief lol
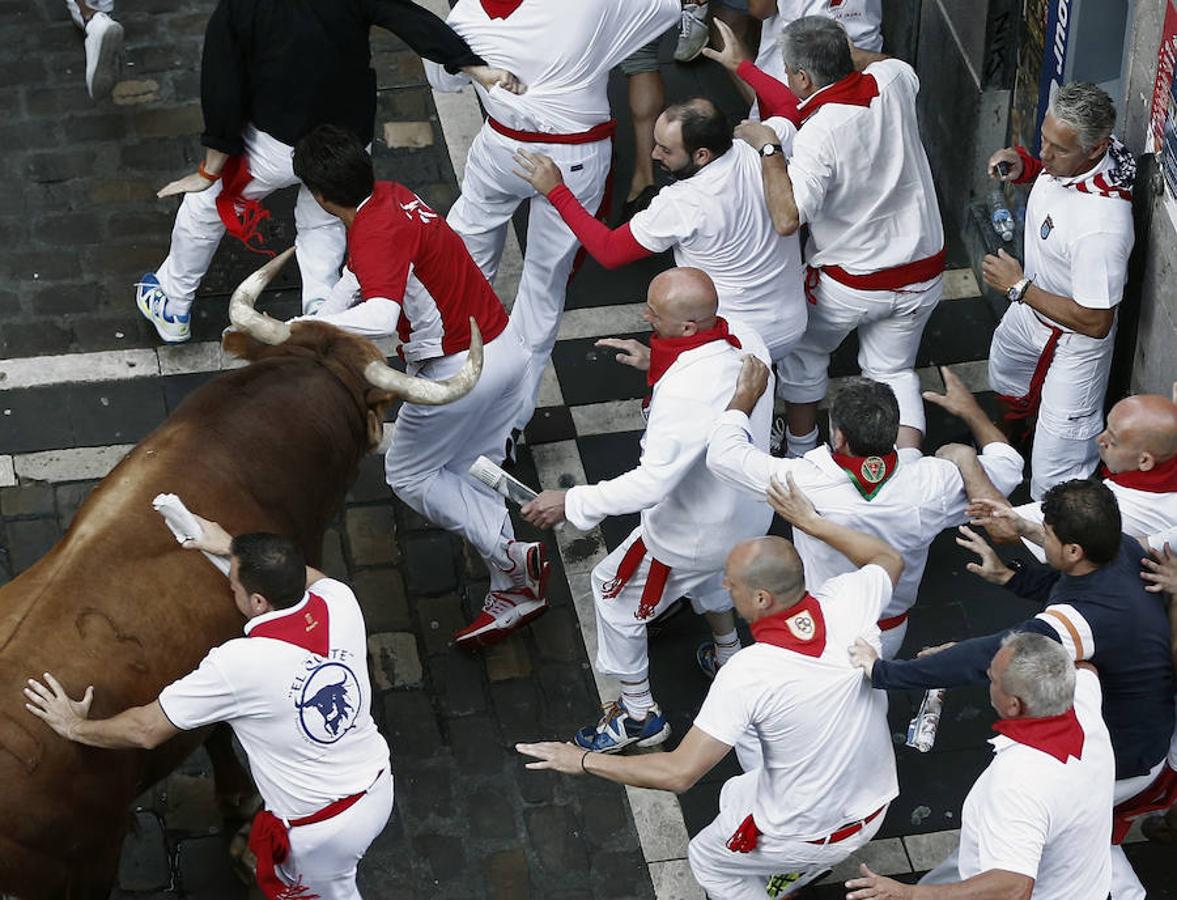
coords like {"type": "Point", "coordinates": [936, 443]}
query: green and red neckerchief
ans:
{"type": "Point", "coordinates": [867, 473]}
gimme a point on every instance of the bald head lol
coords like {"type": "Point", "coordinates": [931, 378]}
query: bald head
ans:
{"type": "Point", "coordinates": [764, 576]}
{"type": "Point", "coordinates": [681, 302]}
{"type": "Point", "coordinates": [1141, 432]}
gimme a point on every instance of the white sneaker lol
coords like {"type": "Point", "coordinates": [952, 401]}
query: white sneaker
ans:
{"type": "Point", "coordinates": [104, 49]}
{"type": "Point", "coordinates": [153, 304]}
{"type": "Point", "coordinates": [529, 569]}
{"type": "Point", "coordinates": [502, 613]}
{"type": "Point", "coordinates": [693, 32]}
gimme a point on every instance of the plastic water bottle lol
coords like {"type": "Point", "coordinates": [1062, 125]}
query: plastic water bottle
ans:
{"type": "Point", "coordinates": [921, 733]}
{"type": "Point", "coordinates": [1000, 216]}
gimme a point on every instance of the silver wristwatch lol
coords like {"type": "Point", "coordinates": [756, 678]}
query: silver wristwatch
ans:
{"type": "Point", "coordinates": [1017, 291]}
{"type": "Point", "coordinates": [771, 150]}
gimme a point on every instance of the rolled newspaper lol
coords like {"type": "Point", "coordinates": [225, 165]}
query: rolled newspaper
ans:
{"type": "Point", "coordinates": [185, 527]}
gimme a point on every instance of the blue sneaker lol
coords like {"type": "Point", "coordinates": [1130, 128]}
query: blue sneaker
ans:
{"type": "Point", "coordinates": [153, 304]}
{"type": "Point", "coordinates": [617, 730]}
{"type": "Point", "coordinates": [705, 657]}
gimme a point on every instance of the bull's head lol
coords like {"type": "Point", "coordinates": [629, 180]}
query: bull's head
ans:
{"type": "Point", "coordinates": [380, 375]}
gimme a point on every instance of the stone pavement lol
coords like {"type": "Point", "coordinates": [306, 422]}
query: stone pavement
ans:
{"type": "Point", "coordinates": [469, 820]}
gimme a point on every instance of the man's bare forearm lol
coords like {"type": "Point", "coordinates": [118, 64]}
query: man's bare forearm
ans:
{"type": "Point", "coordinates": [860, 548]}
{"type": "Point", "coordinates": [1096, 323]}
{"type": "Point", "coordinates": [996, 884]}
{"type": "Point", "coordinates": [778, 192]}
{"type": "Point", "coordinates": [132, 729]}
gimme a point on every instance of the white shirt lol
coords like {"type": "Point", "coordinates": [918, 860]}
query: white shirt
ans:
{"type": "Point", "coordinates": [1030, 814]}
{"type": "Point", "coordinates": [690, 519]}
{"type": "Point", "coordinates": [563, 53]}
{"type": "Point", "coordinates": [861, 179]}
{"type": "Point", "coordinates": [823, 731]}
{"type": "Point", "coordinates": [1077, 245]}
{"type": "Point", "coordinates": [1148, 516]}
{"type": "Point", "coordinates": [304, 720]}
{"type": "Point", "coordinates": [924, 496]}
{"type": "Point", "coordinates": [717, 220]}
{"type": "Point", "coordinates": [862, 19]}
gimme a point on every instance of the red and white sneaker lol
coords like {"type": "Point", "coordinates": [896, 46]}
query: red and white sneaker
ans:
{"type": "Point", "coordinates": [529, 569]}
{"type": "Point", "coordinates": [502, 613]}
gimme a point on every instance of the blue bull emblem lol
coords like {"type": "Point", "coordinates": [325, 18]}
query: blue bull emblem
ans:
{"type": "Point", "coordinates": [330, 703]}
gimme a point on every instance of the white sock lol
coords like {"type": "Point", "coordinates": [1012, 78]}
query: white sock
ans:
{"type": "Point", "coordinates": [726, 646]}
{"type": "Point", "coordinates": [637, 698]}
{"type": "Point", "coordinates": [799, 446]}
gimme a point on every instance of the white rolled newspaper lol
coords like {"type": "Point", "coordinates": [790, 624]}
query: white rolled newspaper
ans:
{"type": "Point", "coordinates": [185, 527]}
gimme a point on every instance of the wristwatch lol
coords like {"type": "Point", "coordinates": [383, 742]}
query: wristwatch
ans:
{"type": "Point", "coordinates": [1017, 291]}
{"type": "Point", "coordinates": [771, 150]}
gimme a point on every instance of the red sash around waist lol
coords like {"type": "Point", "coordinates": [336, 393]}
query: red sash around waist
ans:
{"type": "Point", "coordinates": [747, 836]}
{"type": "Point", "coordinates": [892, 622]}
{"type": "Point", "coordinates": [892, 279]}
{"type": "Point", "coordinates": [655, 580]}
{"type": "Point", "coordinates": [600, 132]}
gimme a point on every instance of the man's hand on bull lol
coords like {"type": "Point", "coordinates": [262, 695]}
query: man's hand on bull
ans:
{"type": "Point", "coordinates": [213, 539]}
{"type": "Point", "coordinates": [546, 510]}
{"type": "Point", "coordinates": [50, 703]}
{"type": "Point", "coordinates": [489, 76]}
{"type": "Point", "coordinates": [540, 171]}
{"type": "Point", "coordinates": [632, 353]}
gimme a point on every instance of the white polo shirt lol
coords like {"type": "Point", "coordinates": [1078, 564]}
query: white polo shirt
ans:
{"type": "Point", "coordinates": [717, 220]}
{"type": "Point", "coordinates": [862, 19]}
{"type": "Point", "coordinates": [823, 731]}
{"type": "Point", "coordinates": [302, 716]}
{"type": "Point", "coordinates": [1031, 814]}
{"type": "Point", "coordinates": [563, 53]}
{"type": "Point", "coordinates": [1148, 516]}
{"type": "Point", "coordinates": [861, 179]}
{"type": "Point", "coordinates": [924, 496]}
{"type": "Point", "coordinates": [1077, 244]}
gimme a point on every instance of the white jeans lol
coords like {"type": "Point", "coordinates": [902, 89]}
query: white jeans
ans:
{"type": "Point", "coordinates": [727, 875]}
{"type": "Point", "coordinates": [323, 857]}
{"type": "Point", "coordinates": [621, 636]}
{"type": "Point", "coordinates": [104, 6]}
{"type": "Point", "coordinates": [890, 325]}
{"type": "Point", "coordinates": [433, 446]}
{"type": "Point", "coordinates": [491, 193]}
{"type": "Point", "coordinates": [320, 238]}
{"type": "Point", "coordinates": [1071, 413]}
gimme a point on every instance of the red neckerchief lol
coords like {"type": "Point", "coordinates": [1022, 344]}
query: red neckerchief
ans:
{"type": "Point", "coordinates": [1061, 736]}
{"type": "Point", "coordinates": [240, 216]}
{"type": "Point", "coordinates": [500, 9]}
{"type": "Point", "coordinates": [664, 351]}
{"type": "Point", "coordinates": [800, 628]}
{"type": "Point", "coordinates": [1160, 479]}
{"type": "Point", "coordinates": [305, 626]}
{"type": "Point", "coordinates": [856, 89]}
{"type": "Point", "coordinates": [867, 473]}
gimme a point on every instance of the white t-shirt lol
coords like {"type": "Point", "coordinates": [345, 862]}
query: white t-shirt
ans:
{"type": "Point", "coordinates": [303, 718]}
{"type": "Point", "coordinates": [1077, 244]}
{"type": "Point", "coordinates": [924, 496]}
{"type": "Point", "coordinates": [717, 220]}
{"type": "Point", "coordinates": [563, 53]}
{"type": "Point", "coordinates": [1030, 814]}
{"type": "Point", "coordinates": [822, 729]}
{"type": "Point", "coordinates": [862, 19]}
{"type": "Point", "coordinates": [862, 182]}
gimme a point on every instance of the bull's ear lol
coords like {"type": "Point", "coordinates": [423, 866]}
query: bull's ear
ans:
{"type": "Point", "coordinates": [375, 429]}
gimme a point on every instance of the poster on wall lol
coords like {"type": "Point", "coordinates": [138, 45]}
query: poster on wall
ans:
{"type": "Point", "coordinates": [1163, 134]}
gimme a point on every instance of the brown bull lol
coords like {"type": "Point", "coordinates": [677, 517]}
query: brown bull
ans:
{"type": "Point", "coordinates": [118, 604]}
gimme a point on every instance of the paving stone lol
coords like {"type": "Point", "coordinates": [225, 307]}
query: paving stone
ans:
{"type": "Point", "coordinates": [505, 875]}
{"type": "Point", "coordinates": [27, 500]}
{"type": "Point", "coordinates": [440, 617]}
{"type": "Point", "coordinates": [426, 793]}
{"type": "Point", "coordinates": [135, 91]}
{"type": "Point", "coordinates": [381, 593]}
{"type": "Point", "coordinates": [41, 338]}
{"type": "Point", "coordinates": [429, 563]}
{"type": "Point", "coordinates": [621, 875]}
{"type": "Point", "coordinates": [203, 872]}
{"type": "Point", "coordinates": [569, 698]}
{"type": "Point", "coordinates": [29, 540]}
{"type": "Point", "coordinates": [167, 122]}
{"type": "Point", "coordinates": [509, 659]}
{"type": "Point", "coordinates": [489, 814]}
{"type": "Point", "coordinates": [444, 855]}
{"type": "Point", "coordinates": [517, 707]}
{"type": "Point", "coordinates": [394, 660]}
{"type": "Point", "coordinates": [190, 804]}
{"type": "Point", "coordinates": [557, 636]}
{"type": "Point", "coordinates": [333, 562]}
{"type": "Point", "coordinates": [458, 683]}
{"type": "Point", "coordinates": [144, 864]}
{"type": "Point", "coordinates": [370, 485]}
{"type": "Point", "coordinates": [411, 725]}
{"type": "Point", "coordinates": [555, 838]}
{"type": "Point", "coordinates": [371, 535]}
{"type": "Point", "coordinates": [476, 746]}
{"type": "Point", "coordinates": [408, 134]}
{"type": "Point", "coordinates": [605, 814]}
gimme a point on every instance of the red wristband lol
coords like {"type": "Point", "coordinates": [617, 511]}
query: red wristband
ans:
{"type": "Point", "coordinates": [205, 173]}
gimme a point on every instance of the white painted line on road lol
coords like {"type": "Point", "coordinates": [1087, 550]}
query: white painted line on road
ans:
{"type": "Point", "coordinates": [610, 417]}
{"type": "Point", "coordinates": [106, 365]}
{"type": "Point", "coordinates": [7, 472]}
{"type": "Point", "coordinates": [602, 321]}
{"type": "Point", "coordinates": [72, 464]}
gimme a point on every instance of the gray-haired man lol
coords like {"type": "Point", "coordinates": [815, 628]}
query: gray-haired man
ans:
{"type": "Point", "coordinates": [1051, 353]}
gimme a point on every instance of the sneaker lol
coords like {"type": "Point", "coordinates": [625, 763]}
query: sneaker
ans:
{"type": "Point", "coordinates": [776, 437]}
{"type": "Point", "coordinates": [153, 304]}
{"type": "Point", "coordinates": [529, 569]}
{"type": "Point", "coordinates": [788, 884]}
{"type": "Point", "coordinates": [104, 48]}
{"type": "Point", "coordinates": [707, 660]}
{"type": "Point", "coordinates": [502, 613]}
{"type": "Point", "coordinates": [693, 32]}
{"type": "Point", "coordinates": [617, 730]}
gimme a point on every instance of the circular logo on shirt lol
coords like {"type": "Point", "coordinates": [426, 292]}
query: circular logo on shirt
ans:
{"type": "Point", "coordinates": [330, 703]}
{"type": "Point", "coordinates": [802, 626]}
{"type": "Point", "coordinates": [1047, 227]}
{"type": "Point", "coordinates": [873, 469]}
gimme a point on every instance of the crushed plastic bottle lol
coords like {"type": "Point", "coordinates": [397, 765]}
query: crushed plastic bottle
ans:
{"type": "Point", "coordinates": [1000, 216]}
{"type": "Point", "coordinates": [921, 733]}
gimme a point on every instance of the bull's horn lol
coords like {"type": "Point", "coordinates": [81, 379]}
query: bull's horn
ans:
{"type": "Point", "coordinates": [424, 391]}
{"type": "Point", "coordinates": [241, 312]}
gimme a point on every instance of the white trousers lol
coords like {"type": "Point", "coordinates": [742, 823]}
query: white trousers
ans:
{"type": "Point", "coordinates": [433, 446]}
{"type": "Point", "coordinates": [621, 635]}
{"type": "Point", "coordinates": [1071, 413]}
{"type": "Point", "coordinates": [323, 857]}
{"type": "Point", "coordinates": [104, 6]}
{"type": "Point", "coordinates": [320, 238]}
{"type": "Point", "coordinates": [727, 875]}
{"type": "Point", "coordinates": [491, 193]}
{"type": "Point", "coordinates": [890, 325]}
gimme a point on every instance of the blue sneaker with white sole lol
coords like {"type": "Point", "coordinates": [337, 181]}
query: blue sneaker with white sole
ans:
{"type": "Point", "coordinates": [153, 304]}
{"type": "Point", "coordinates": [617, 729]}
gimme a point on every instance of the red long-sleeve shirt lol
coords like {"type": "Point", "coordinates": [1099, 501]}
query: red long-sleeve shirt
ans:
{"type": "Point", "coordinates": [774, 97]}
{"type": "Point", "coordinates": [610, 247]}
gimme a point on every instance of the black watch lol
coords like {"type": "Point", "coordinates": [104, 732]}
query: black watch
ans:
{"type": "Point", "coordinates": [772, 150]}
